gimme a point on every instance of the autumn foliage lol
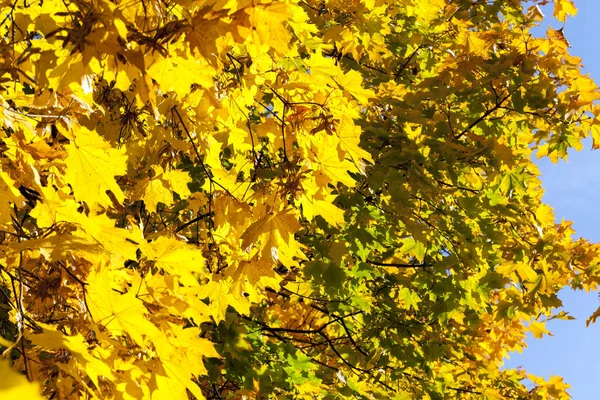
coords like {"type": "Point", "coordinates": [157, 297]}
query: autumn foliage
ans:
{"type": "Point", "coordinates": [282, 199]}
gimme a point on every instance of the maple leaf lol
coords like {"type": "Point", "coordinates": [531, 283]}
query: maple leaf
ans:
{"type": "Point", "coordinates": [94, 367]}
{"type": "Point", "coordinates": [10, 195]}
{"type": "Point", "coordinates": [208, 32]}
{"type": "Point", "coordinates": [54, 206]}
{"type": "Point", "coordinates": [563, 8]}
{"type": "Point", "coordinates": [92, 165]}
{"type": "Point", "coordinates": [160, 188]}
{"type": "Point", "coordinates": [475, 44]}
{"type": "Point", "coordinates": [16, 386]}
{"type": "Point", "coordinates": [59, 247]}
{"type": "Point", "coordinates": [335, 175]}
{"type": "Point", "coordinates": [121, 314]}
{"type": "Point", "coordinates": [179, 70]}
{"type": "Point", "coordinates": [312, 207]}
{"type": "Point", "coordinates": [265, 26]}
{"type": "Point", "coordinates": [96, 235]}
{"type": "Point", "coordinates": [330, 165]}
{"type": "Point", "coordinates": [352, 82]}
{"type": "Point", "coordinates": [175, 258]}
{"type": "Point", "coordinates": [538, 329]}
{"type": "Point", "coordinates": [349, 135]}
{"type": "Point", "coordinates": [257, 271]}
{"type": "Point", "coordinates": [181, 352]}
{"type": "Point", "coordinates": [220, 298]}
{"type": "Point", "coordinates": [274, 233]}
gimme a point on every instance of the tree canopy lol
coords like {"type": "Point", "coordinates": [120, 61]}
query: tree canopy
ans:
{"type": "Point", "coordinates": [283, 199]}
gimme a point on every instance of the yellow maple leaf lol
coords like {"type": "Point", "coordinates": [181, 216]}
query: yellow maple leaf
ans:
{"type": "Point", "coordinates": [166, 290]}
{"type": "Point", "coordinates": [312, 206]}
{"type": "Point", "coordinates": [51, 338]}
{"type": "Point", "coordinates": [54, 206]}
{"type": "Point", "coordinates": [57, 247]}
{"type": "Point", "coordinates": [265, 26]}
{"type": "Point", "coordinates": [16, 386]}
{"type": "Point", "coordinates": [330, 165]}
{"type": "Point", "coordinates": [545, 215]}
{"type": "Point", "coordinates": [181, 352]}
{"type": "Point", "coordinates": [275, 234]}
{"type": "Point", "coordinates": [176, 258]}
{"type": "Point", "coordinates": [92, 165]}
{"type": "Point", "coordinates": [152, 191]}
{"type": "Point", "coordinates": [96, 237]}
{"type": "Point", "coordinates": [563, 8]}
{"type": "Point", "coordinates": [160, 188]}
{"type": "Point", "coordinates": [178, 182]}
{"type": "Point", "coordinates": [352, 82]}
{"type": "Point", "coordinates": [349, 135]}
{"type": "Point", "coordinates": [10, 194]}
{"type": "Point", "coordinates": [209, 33]}
{"type": "Point", "coordinates": [119, 244]}
{"type": "Point", "coordinates": [320, 65]}
{"type": "Point", "coordinates": [255, 271]}
{"type": "Point", "coordinates": [179, 70]}
{"type": "Point", "coordinates": [220, 298]}
{"type": "Point", "coordinates": [474, 43]}
{"type": "Point", "coordinates": [197, 201]}
{"type": "Point", "coordinates": [120, 313]}
{"type": "Point", "coordinates": [538, 329]}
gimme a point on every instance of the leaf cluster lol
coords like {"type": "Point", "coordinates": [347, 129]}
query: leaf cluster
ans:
{"type": "Point", "coordinates": [283, 199]}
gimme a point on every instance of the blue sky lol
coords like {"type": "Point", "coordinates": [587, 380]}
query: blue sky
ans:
{"type": "Point", "coordinates": [573, 189]}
